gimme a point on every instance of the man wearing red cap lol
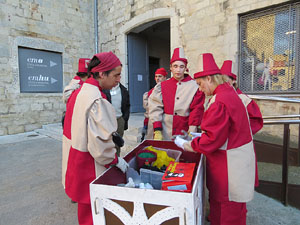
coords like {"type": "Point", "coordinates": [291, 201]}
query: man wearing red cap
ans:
{"type": "Point", "coordinates": [227, 143]}
{"type": "Point", "coordinates": [89, 126]}
{"type": "Point", "coordinates": [176, 104]}
{"type": "Point", "coordinates": [160, 75]}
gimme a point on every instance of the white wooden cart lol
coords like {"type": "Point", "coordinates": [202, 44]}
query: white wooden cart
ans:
{"type": "Point", "coordinates": [113, 205]}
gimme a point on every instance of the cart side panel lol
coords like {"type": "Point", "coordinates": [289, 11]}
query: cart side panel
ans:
{"type": "Point", "coordinates": [121, 205]}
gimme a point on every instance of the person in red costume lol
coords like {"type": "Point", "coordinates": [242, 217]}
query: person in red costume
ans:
{"type": "Point", "coordinates": [88, 132]}
{"type": "Point", "coordinates": [78, 80]}
{"type": "Point", "coordinates": [227, 143]}
{"type": "Point", "coordinates": [147, 132]}
{"type": "Point", "coordinates": [256, 120]}
{"type": "Point", "coordinates": [74, 84]}
{"type": "Point", "coordinates": [176, 104]}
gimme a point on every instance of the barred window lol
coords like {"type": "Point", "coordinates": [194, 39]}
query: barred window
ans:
{"type": "Point", "coordinates": [269, 51]}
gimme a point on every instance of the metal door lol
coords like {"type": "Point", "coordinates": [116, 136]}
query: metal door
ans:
{"type": "Point", "coordinates": [138, 71]}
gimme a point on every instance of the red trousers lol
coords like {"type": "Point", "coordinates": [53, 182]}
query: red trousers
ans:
{"type": "Point", "coordinates": [85, 214]}
{"type": "Point", "coordinates": [227, 213]}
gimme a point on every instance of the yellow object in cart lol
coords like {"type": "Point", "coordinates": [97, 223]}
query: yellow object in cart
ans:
{"type": "Point", "coordinates": [162, 157]}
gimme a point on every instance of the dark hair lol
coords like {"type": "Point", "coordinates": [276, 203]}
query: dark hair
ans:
{"type": "Point", "coordinates": [81, 74]}
{"type": "Point", "coordinates": [93, 63]}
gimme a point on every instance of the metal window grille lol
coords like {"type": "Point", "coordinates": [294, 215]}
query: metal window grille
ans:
{"type": "Point", "coordinates": [269, 51]}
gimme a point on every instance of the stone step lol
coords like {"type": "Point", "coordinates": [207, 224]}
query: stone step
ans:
{"type": "Point", "coordinates": [50, 133]}
{"type": "Point", "coordinates": [51, 130]}
{"type": "Point", "coordinates": [15, 138]}
{"type": "Point", "coordinates": [129, 145]}
{"type": "Point", "coordinates": [130, 137]}
{"type": "Point", "coordinates": [55, 127]}
{"type": "Point", "coordinates": [136, 120]}
{"type": "Point", "coordinates": [132, 134]}
{"type": "Point", "coordinates": [133, 130]}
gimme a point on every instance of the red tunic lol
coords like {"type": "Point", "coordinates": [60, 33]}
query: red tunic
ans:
{"type": "Point", "coordinates": [227, 143]}
{"type": "Point", "coordinates": [175, 106]}
{"type": "Point", "coordinates": [89, 123]}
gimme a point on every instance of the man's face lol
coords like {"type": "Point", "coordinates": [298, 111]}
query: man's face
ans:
{"type": "Point", "coordinates": [159, 78]}
{"type": "Point", "coordinates": [206, 85]}
{"type": "Point", "coordinates": [178, 68]}
{"type": "Point", "coordinates": [112, 79]}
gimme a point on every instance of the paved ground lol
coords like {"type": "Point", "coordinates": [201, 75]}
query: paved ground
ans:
{"type": "Point", "coordinates": [31, 192]}
{"type": "Point", "coordinates": [30, 184]}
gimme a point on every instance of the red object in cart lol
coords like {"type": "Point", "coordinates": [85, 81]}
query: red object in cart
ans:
{"type": "Point", "coordinates": [178, 177]}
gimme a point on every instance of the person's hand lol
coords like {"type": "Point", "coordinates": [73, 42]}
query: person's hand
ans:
{"type": "Point", "coordinates": [122, 165]}
{"type": "Point", "coordinates": [158, 135]}
{"type": "Point", "coordinates": [179, 141]}
{"type": "Point", "coordinates": [194, 134]}
{"type": "Point", "coordinates": [186, 135]}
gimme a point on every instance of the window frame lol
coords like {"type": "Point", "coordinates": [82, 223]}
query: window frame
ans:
{"type": "Point", "coordinates": [243, 18]}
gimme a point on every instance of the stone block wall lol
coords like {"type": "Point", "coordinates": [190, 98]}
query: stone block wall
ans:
{"type": "Point", "coordinates": [66, 27]}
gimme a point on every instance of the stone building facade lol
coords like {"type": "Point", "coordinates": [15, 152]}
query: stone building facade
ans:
{"type": "Point", "coordinates": [198, 26]}
{"type": "Point", "coordinates": [64, 27]}
{"type": "Point", "coordinates": [125, 26]}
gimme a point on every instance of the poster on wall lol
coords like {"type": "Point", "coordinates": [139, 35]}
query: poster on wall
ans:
{"type": "Point", "coordinates": [40, 71]}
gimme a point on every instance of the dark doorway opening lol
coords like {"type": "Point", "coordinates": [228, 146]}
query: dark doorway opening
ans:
{"type": "Point", "coordinates": [153, 66]}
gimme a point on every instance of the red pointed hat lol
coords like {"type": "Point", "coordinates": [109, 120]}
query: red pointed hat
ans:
{"type": "Point", "coordinates": [227, 68]}
{"type": "Point", "coordinates": [83, 65]}
{"type": "Point", "coordinates": [178, 55]}
{"type": "Point", "coordinates": [206, 66]}
{"type": "Point", "coordinates": [161, 71]}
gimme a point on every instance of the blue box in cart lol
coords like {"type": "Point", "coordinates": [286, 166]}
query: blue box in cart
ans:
{"type": "Point", "coordinates": [155, 177]}
{"type": "Point", "coordinates": [152, 177]}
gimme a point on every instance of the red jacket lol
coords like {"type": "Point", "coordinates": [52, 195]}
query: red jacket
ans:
{"type": "Point", "coordinates": [228, 145]}
{"type": "Point", "coordinates": [175, 106]}
{"type": "Point", "coordinates": [87, 139]}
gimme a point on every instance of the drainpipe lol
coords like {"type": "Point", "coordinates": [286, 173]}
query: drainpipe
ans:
{"type": "Point", "coordinates": [96, 25]}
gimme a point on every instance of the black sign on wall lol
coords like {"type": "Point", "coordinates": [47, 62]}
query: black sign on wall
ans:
{"type": "Point", "coordinates": [40, 71]}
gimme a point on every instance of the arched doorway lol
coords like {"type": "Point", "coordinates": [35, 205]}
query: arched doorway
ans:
{"type": "Point", "coordinates": [148, 48]}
